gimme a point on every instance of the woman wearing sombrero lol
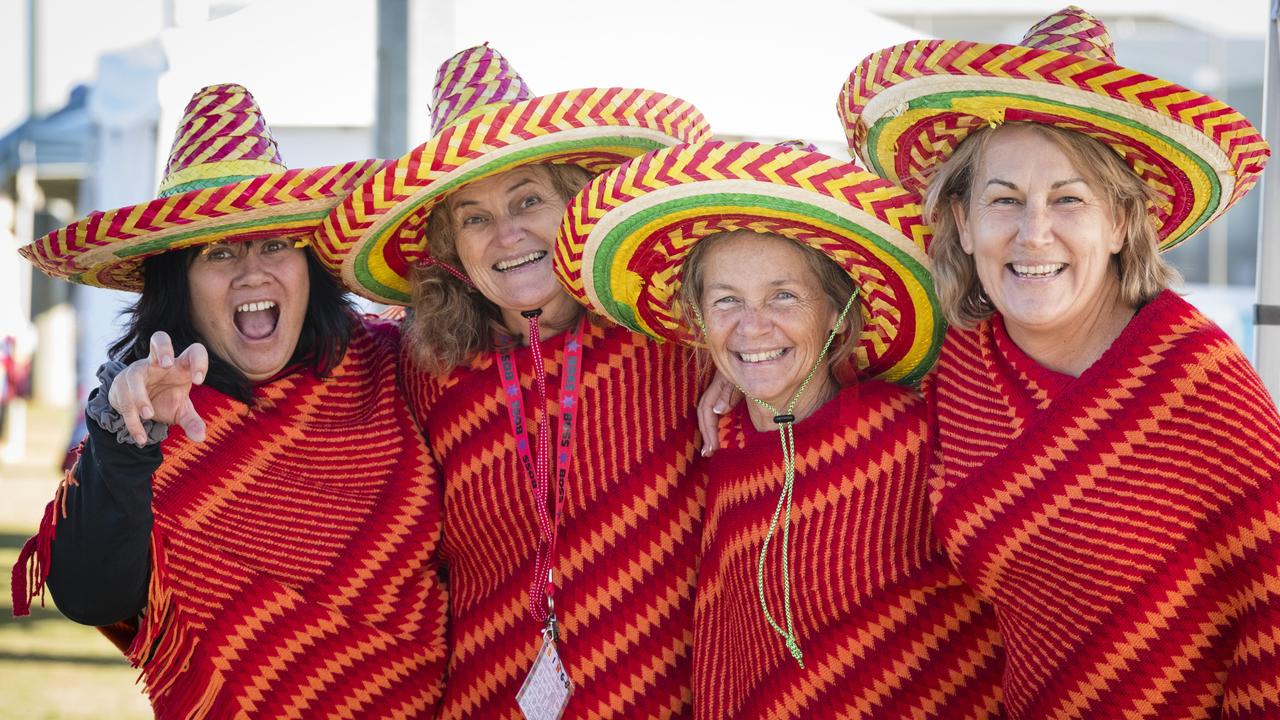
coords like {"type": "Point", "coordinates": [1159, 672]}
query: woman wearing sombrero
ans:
{"type": "Point", "coordinates": [822, 590]}
{"type": "Point", "coordinates": [254, 513]}
{"type": "Point", "coordinates": [1111, 462]}
{"type": "Point", "coordinates": [571, 519]}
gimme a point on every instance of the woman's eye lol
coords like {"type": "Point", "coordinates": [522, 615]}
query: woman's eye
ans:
{"type": "Point", "coordinates": [530, 201]}
{"type": "Point", "coordinates": [1006, 200]}
{"type": "Point", "coordinates": [725, 301]}
{"type": "Point", "coordinates": [786, 295]}
{"type": "Point", "coordinates": [218, 253]}
{"type": "Point", "coordinates": [473, 220]}
{"type": "Point", "coordinates": [1069, 200]}
{"type": "Point", "coordinates": [272, 246]}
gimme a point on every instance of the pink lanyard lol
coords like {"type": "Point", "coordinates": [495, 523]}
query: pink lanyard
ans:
{"type": "Point", "coordinates": [537, 466]}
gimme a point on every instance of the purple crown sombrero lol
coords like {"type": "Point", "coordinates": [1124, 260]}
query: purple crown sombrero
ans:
{"type": "Point", "coordinates": [907, 107]}
{"type": "Point", "coordinates": [486, 121]}
{"type": "Point", "coordinates": [225, 181]}
{"type": "Point", "coordinates": [626, 235]}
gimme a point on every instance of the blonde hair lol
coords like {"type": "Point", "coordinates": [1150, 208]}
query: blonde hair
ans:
{"type": "Point", "coordinates": [1143, 273]}
{"type": "Point", "coordinates": [451, 323]}
{"type": "Point", "coordinates": [833, 281]}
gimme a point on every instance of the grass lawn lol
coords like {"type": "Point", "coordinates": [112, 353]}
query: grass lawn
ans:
{"type": "Point", "coordinates": [52, 667]}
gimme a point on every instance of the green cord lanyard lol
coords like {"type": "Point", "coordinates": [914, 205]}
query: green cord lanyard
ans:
{"type": "Point", "coordinates": [786, 422]}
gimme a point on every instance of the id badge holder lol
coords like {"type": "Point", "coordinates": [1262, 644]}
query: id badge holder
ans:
{"type": "Point", "coordinates": [546, 689]}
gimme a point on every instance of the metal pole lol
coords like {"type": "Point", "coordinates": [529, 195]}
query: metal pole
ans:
{"type": "Point", "coordinates": [33, 58]}
{"type": "Point", "coordinates": [1267, 309]}
{"type": "Point", "coordinates": [391, 122]}
{"type": "Point", "coordinates": [1219, 257]}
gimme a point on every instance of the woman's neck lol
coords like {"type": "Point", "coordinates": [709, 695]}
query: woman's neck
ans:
{"type": "Point", "coordinates": [820, 390]}
{"type": "Point", "coordinates": [1079, 345]}
{"type": "Point", "coordinates": [557, 316]}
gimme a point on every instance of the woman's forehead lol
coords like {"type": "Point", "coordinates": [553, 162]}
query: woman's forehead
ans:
{"type": "Point", "coordinates": [503, 182]}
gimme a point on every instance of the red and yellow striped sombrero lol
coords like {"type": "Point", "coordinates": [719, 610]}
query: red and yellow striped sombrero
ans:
{"type": "Point", "coordinates": [484, 121]}
{"type": "Point", "coordinates": [622, 246]}
{"type": "Point", "coordinates": [906, 108]}
{"type": "Point", "coordinates": [225, 181]}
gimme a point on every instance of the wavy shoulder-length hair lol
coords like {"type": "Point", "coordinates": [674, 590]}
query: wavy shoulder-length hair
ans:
{"type": "Point", "coordinates": [450, 323]}
{"type": "Point", "coordinates": [165, 304]}
{"type": "Point", "coordinates": [1142, 272]}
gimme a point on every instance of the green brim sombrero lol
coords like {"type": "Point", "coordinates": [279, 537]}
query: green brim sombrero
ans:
{"type": "Point", "coordinates": [225, 181]}
{"type": "Point", "coordinates": [625, 237]}
{"type": "Point", "coordinates": [487, 123]}
{"type": "Point", "coordinates": [907, 107]}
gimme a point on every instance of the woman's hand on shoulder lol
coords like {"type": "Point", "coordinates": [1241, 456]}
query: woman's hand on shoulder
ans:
{"type": "Point", "coordinates": [158, 387]}
{"type": "Point", "coordinates": [719, 397]}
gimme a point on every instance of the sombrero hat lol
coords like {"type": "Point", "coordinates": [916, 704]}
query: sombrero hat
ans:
{"type": "Point", "coordinates": [225, 181]}
{"type": "Point", "coordinates": [906, 108]}
{"type": "Point", "coordinates": [485, 121]}
{"type": "Point", "coordinates": [622, 246]}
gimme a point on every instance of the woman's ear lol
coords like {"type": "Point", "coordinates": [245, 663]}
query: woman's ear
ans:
{"type": "Point", "coordinates": [1118, 240]}
{"type": "Point", "coordinates": [960, 214]}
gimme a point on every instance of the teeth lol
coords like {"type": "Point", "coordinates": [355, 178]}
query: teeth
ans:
{"type": "Point", "coordinates": [256, 306]}
{"type": "Point", "coordinates": [761, 356]}
{"type": "Point", "coordinates": [505, 265]}
{"type": "Point", "coordinates": [1038, 270]}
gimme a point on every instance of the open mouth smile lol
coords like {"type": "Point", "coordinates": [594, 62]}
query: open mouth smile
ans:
{"type": "Point", "coordinates": [760, 357]}
{"type": "Point", "coordinates": [257, 320]}
{"type": "Point", "coordinates": [519, 262]}
{"type": "Point", "coordinates": [1041, 270]}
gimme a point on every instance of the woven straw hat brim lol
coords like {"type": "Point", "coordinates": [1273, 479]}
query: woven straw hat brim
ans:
{"type": "Point", "coordinates": [374, 237]}
{"type": "Point", "coordinates": [622, 246]}
{"type": "Point", "coordinates": [106, 249]}
{"type": "Point", "coordinates": [907, 107]}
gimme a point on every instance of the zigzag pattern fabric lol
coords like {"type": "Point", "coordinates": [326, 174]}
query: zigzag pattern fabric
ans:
{"type": "Point", "coordinates": [293, 571]}
{"type": "Point", "coordinates": [626, 554]}
{"type": "Point", "coordinates": [906, 108]}
{"type": "Point", "coordinates": [887, 628]}
{"type": "Point", "coordinates": [1126, 523]}
{"type": "Point", "coordinates": [471, 81]}
{"type": "Point", "coordinates": [221, 133]}
{"type": "Point", "coordinates": [625, 236]}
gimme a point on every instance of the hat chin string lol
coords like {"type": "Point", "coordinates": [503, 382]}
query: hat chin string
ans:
{"type": "Point", "coordinates": [786, 433]}
{"type": "Point", "coordinates": [461, 276]}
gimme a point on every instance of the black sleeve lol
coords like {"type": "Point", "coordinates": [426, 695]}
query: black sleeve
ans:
{"type": "Point", "coordinates": [101, 560]}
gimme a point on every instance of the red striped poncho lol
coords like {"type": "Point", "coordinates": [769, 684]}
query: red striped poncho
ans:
{"type": "Point", "coordinates": [627, 550]}
{"type": "Point", "coordinates": [293, 552]}
{"type": "Point", "coordinates": [1125, 523]}
{"type": "Point", "coordinates": [886, 627]}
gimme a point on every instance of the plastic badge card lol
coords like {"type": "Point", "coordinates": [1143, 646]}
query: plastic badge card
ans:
{"type": "Point", "coordinates": [546, 690]}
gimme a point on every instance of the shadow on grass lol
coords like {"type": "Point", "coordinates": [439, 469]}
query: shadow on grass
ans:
{"type": "Point", "coordinates": [39, 615]}
{"type": "Point", "coordinates": [67, 659]}
{"type": "Point", "coordinates": [13, 540]}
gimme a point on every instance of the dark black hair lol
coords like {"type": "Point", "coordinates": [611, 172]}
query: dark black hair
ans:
{"type": "Point", "coordinates": [165, 304]}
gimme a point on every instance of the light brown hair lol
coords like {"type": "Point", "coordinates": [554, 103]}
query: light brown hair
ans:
{"type": "Point", "coordinates": [451, 323]}
{"type": "Point", "coordinates": [1142, 272]}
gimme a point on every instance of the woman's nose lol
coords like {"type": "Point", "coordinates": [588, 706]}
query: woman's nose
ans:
{"type": "Point", "coordinates": [509, 230]}
{"type": "Point", "coordinates": [1036, 227]}
{"type": "Point", "coordinates": [252, 267]}
{"type": "Point", "coordinates": [754, 320]}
